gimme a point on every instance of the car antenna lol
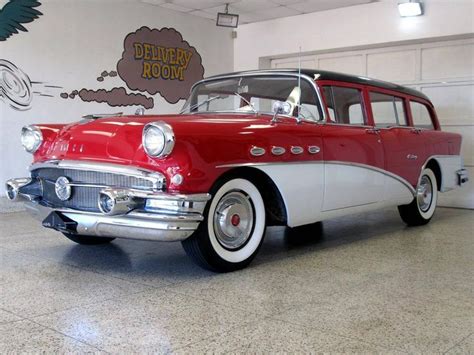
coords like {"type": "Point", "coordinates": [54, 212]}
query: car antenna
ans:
{"type": "Point", "coordinates": [299, 86]}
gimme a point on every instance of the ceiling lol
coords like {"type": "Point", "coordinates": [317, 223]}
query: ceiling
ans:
{"type": "Point", "coordinates": [253, 10]}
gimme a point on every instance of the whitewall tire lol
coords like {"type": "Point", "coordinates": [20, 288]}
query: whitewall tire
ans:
{"type": "Point", "coordinates": [422, 208]}
{"type": "Point", "coordinates": [233, 230]}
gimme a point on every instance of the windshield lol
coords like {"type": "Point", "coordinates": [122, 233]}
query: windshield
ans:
{"type": "Point", "coordinates": [254, 94]}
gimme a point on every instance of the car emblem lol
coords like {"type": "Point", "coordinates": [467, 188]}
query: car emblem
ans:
{"type": "Point", "coordinates": [62, 188]}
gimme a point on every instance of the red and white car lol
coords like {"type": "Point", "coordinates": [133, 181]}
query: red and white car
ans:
{"type": "Point", "coordinates": [248, 150]}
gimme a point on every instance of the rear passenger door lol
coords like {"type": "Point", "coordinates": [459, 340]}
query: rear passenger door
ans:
{"type": "Point", "coordinates": [404, 149]}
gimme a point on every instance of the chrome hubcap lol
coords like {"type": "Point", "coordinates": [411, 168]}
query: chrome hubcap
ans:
{"type": "Point", "coordinates": [424, 193]}
{"type": "Point", "coordinates": [233, 220]}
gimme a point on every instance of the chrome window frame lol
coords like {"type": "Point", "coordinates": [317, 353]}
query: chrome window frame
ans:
{"type": "Point", "coordinates": [263, 73]}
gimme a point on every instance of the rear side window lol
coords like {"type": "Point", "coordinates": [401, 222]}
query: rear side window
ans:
{"type": "Point", "coordinates": [345, 105]}
{"type": "Point", "coordinates": [421, 115]}
{"type": "Point", "coordinates": [388, 110]}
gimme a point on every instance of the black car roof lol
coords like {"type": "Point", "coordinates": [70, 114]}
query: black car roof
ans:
{"type": "Point", "coordinates": [334, 76]}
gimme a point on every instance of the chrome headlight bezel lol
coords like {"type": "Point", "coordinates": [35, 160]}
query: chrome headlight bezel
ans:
{"type": "Point", "coordinates": [35, 133]}
{"type": "Point", "coordinates": [168, 139]}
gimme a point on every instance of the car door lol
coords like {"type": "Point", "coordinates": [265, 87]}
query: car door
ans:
{"type": "Point", "coordinates": [353, 152]}
{"type": "Point", "coordinates": [404, 148]}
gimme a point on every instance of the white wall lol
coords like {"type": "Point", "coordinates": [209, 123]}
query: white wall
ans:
{"type": "Point", "coordinates": [369, 25]}
{"type": "Point", "coordinates": [72, 43]}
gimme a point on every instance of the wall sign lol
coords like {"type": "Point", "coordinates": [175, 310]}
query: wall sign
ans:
{"type": "Point", "coordinates": [160, 61]}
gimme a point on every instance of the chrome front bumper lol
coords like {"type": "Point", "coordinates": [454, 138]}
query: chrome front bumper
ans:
{"type": "Point", "coordinates": [147, 215]}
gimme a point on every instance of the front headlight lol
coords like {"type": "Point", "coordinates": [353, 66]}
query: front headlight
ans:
{"type": "Point", "coordinates": [158, 139]}
{"type": "Point", "coordinates": [31, 138]}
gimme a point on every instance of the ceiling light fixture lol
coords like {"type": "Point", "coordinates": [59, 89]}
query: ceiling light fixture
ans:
{"type": "Point", "coordinates": [411, 8]}
{"type": "Point", "coordinates": [224, 19]}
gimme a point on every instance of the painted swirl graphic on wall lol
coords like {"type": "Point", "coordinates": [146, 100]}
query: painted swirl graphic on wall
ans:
{"type": "Point", "coordinates": [15, 86]}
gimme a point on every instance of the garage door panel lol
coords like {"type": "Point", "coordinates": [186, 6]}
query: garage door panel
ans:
{"type": "Point", "coordinates": [392, 66]}
{"type": "Point", "coordinates": [453, 61]}
{"type": "Point", "coordinates": [345, 64]}
{"type": "Point", "coordinates": [305, 63]}
{"type": "Point", "coordinates": [454, 103]}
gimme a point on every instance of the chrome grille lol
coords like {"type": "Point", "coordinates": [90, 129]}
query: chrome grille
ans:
{"type": "Point", "coordinates": [84, 197]}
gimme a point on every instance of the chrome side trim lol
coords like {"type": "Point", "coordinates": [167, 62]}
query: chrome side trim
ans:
{"type": "Point", "coordinates": [382, 171]}
{"type": "Point", "coordinates": [158, 179]}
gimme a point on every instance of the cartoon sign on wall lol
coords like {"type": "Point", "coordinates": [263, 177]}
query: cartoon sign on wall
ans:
{"type": "Point", "coordinates": [153, 61]}
{"type": "Point", "coordinates": [14, 14]}
{"type": "Point", "coordinates": [160, 61]}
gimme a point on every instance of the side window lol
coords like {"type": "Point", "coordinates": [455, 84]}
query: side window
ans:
{"type": "Point", "coordinates": [388, 110]}
{"type": "Point", "coordinates": [345, 105]}
{"type": "Point", "coordinates": [421, 115]}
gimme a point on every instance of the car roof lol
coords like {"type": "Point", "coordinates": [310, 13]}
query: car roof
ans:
{"type": "Point", "coordinates": [334, 76]}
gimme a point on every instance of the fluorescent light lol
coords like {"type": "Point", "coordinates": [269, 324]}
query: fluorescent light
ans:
{"type": "Point", "coordinates": [408, 9]}
{"type": "Point", "coordinates": [225, 19]}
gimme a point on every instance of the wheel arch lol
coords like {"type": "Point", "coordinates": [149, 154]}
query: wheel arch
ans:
{"type": "Point", "coordinates": [435, 167]}
{"type": "Point", "coordinates": [275, 207]}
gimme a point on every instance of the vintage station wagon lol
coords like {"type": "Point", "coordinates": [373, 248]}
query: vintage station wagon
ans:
{"type": "Point", "coordinates": [248, 150]}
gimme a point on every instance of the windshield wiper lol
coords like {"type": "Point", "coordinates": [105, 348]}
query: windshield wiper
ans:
{"type": "Point", "coordinates": [199, 104]}
{"type": "Point", "coordinates": [246, 101]}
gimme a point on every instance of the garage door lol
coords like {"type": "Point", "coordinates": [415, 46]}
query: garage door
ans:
{"type": "Point", "coordinates": [444, 71]}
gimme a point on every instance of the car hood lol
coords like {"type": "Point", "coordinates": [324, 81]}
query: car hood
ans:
{"type": "Point", "coordinates": [119, 139]}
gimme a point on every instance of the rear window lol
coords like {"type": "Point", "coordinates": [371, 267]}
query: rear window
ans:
{"type": "Point", "coordinates": [421, 115]}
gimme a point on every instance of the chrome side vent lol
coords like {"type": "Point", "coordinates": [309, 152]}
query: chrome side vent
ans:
{"type": "Point", "coordinates": [313, 149]}
{"type": "Point", "coordinates": [296, 150]}
{"type": "Point", "coordinates": [257, 151]}
{"type": "Point", "coordinates": [278, 150]}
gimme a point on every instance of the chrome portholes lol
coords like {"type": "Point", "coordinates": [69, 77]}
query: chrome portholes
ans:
{"type": "Point", "coordinates": [296, 150]}
{"type": "Point", "coordinates": [424, 194]}
{"type": "Point", "coordinates": [233, 220]}
{"type": "Point", "coordinates": [313, 149]}
{"type": "Point", "coordinates": [278, 150]}
{"type": "Point", "coordinates": [257, 151]}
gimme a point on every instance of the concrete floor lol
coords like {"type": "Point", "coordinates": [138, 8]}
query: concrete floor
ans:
{"type": "Point", "coordinates": [369, 284]}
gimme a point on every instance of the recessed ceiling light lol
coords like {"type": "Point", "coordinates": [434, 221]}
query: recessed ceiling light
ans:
{"type": "Point", "coordinates": [409, 9]}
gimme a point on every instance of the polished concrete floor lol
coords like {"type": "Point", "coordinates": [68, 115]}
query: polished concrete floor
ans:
{"type": "Point", "coordinates": [367, 284]}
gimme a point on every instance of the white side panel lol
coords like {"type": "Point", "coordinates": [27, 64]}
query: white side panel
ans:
{"type": "Point", "coordinates": [449, 166]}
{"type": "Point", "coordinates": [348, 185]}
{"type": "Point", "coordinates": [301, 186]}
{"type": "Point", "coordinates": [396, 192]}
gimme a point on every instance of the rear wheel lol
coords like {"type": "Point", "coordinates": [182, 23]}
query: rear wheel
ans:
{"type": "Point", "coordinates": [87, 240]}
{"type": "Point", "coordinates": [423, 207]}
{"type": "Point", "coordinates": [232, 232]}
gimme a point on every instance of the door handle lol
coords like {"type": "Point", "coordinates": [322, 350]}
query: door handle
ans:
{"type": "Point", "coordinates": [412, 156]}
{"type": "Point", "coordinates": [372, 130]}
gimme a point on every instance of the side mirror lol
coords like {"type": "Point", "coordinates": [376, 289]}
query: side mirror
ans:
{"type": "Point", "coordinates": [281, 108]}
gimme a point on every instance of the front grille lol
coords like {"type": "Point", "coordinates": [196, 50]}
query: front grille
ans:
{"type": "Point", "coordinates": [84, 198]}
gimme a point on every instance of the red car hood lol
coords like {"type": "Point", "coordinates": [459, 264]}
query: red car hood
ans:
{"type": "Point", "coordinates": [119, 139]}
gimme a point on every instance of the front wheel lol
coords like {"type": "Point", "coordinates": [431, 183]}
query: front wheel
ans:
{"type": "Point", "coordinates": [233, 229]}
{"type": "Point", "coordinates": [423, 207]}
